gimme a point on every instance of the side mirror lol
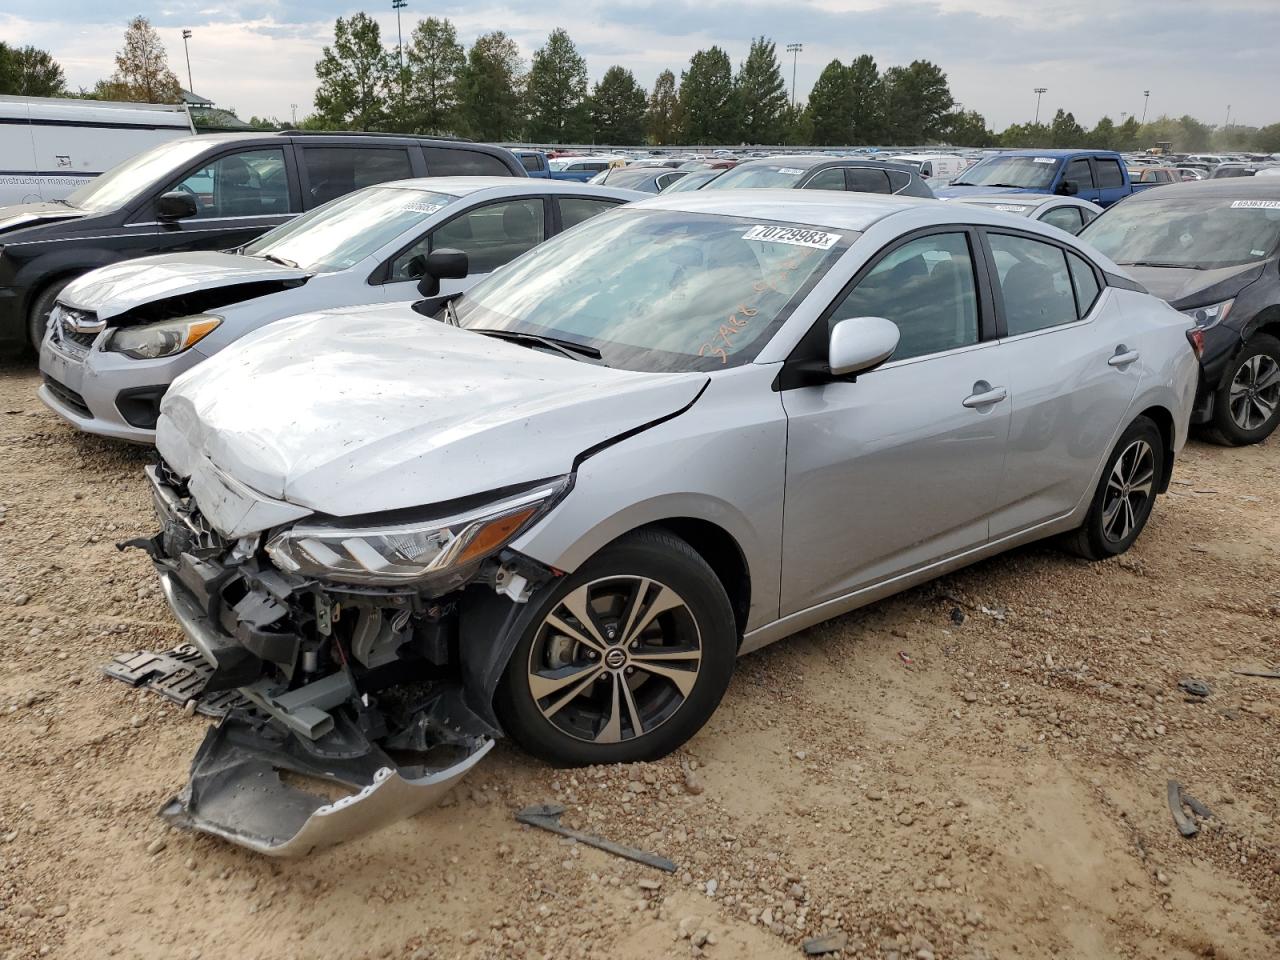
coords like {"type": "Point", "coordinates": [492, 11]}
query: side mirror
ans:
{"type": "Point", "coordinates": [860, 343]}
{"type": "Point", "coordinates": [1068, 188]}
{"type": "Point", "coordinates": [175, 205]}
{"type": "Point", "coordinates": [443, 264]}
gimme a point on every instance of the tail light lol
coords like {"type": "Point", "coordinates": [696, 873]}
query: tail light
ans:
{"type": "Point", "coordinates": [1195, 336]}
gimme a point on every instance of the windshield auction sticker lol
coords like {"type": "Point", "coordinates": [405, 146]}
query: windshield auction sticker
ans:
{"type": "Point", "coordinates": [794, 236]}
{"type": "Point", "coordinates": [1255, 204]}
{"type": "Point", "coordinates": [416, 206]}
{"type": "Point", "coordinates": [1044, 160]}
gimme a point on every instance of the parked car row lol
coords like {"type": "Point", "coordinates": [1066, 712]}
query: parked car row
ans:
{"type": "Point", "coordinates": [452, 458]}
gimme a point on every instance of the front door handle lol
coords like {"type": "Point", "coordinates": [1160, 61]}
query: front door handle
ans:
{"type": "Point", "coordinates": [984, 398]}
{"type": "Point", "coordinates": [1123, 357]}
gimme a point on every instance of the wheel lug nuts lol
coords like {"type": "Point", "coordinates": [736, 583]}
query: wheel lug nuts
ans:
{"type": "Point", "coordinates": [630, 670]}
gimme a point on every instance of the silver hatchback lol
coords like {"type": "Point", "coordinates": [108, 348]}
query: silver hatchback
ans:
{"type": "Point", "coordinates": [561, 507]}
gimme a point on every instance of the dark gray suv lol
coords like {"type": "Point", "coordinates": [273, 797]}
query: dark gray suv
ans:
{"type": "Point", "coordinates": [820, 172]}
{"type": "Point", "coordinates": [209, 192]}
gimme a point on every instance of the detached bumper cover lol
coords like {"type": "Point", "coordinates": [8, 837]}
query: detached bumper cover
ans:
{"type": "Point", "coordinates": [235, 791]}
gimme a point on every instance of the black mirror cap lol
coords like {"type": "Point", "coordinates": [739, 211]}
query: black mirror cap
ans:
{"type": "Point", "coordinates": [1068, 188]}
{"type": "Point", "coordinates": [176, 205]}
{"type": "Point", "coordinates": [447, 264]}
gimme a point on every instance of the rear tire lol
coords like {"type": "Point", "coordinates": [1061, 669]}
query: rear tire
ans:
{"type": "Point", "coordinates": [38, 318]}
{"type": "Point", "coordinates": [1246, 407]}
{"type": "Point", "coordinates": [1125, 495]}
{"type": "Point", "coordinates": [640, 679]}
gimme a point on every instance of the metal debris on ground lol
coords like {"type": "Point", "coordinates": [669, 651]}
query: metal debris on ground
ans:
{"type": "Point", "coordinates": [957, 616]}
{"type": "Point", "coordinates": [179, 675]}
{"type": "Point", "coordinates": [1196, 688]}
{"type": "Point", "coordinates": [905, 658]}
{"type": "Point", "coordinates": [1263, 674]}
{"type": "Point", "coordinates": [546, 816]}
{"type": "Point", "coordinates": [1187, 826]}
{"type": "Point", "coordinates": [826, 943]}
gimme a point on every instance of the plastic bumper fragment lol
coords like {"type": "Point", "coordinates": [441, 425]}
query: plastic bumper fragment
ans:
{"type": "Point", "coordinates": [235, 791]}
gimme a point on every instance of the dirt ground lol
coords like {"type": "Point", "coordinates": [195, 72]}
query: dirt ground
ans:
{"type": "Point", "coordinates": [990, 788]}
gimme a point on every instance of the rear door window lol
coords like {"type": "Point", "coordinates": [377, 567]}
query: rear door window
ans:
{"type": "Point", "coordinates": [251, 183]}
{"type": "Point", "coordinates": [1109, 173]}
{"type": "Point", "coordinates": [1035, 281]}
{"type": "Point", "coordinates": [451, 162]}
{"type": "Point", "coordinates": [574, 210]}
{"type": "Point", "coordinates": [334, 172]}
{"type": "Point", "coordinates": [533, 162]}
{"type": "Point", "coordinates": [866, 180]}
{"type": "Point", "coordinates": [832, 179]}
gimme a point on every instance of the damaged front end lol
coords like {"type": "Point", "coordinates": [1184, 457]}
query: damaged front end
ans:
{"type": "Point", "coordinates": [367, 656]}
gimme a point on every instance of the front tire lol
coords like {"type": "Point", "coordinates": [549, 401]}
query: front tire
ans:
{"type": "Point", "coordinates": [1125, 495]}
{"type": "Point", "coordinates": [38, 318]}
{"type": "Point", "coordinates": [1246, 407]}
{"type": "Point", "coordinates": [624, 660]}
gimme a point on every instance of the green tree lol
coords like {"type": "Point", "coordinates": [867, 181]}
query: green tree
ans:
{"type": "Point", "coordinates": [866, 101]}
{"type": "Point", "coordinates": [662, 120]}
{"type": "Point", "coordinates": [917, 102]}
{"type": "Point", "coordinates": [1024, 135]}
{"type": "Point", "coordinates": [30, 72]}
{"type": "Point", "coordinates": [557, 95]}
{"type": "Point", "coordinates": [797, 126]}
{"type": "Point", "coordinates": [968, 128]}
{"type": "Point", "coordinates": [490, 88]}
{"type": "Point", "coordinates": [1064, 131]}
{"type": "Point", "coordinates": [1103, 136]}
{"type": "Point", "coordinates": [142, 69]}
{"type": "Point", "coordinates": [1127, 134]}
{"type": "Point", "coordinates": [435, 62]}
{"type": "Point", "coordinates": [707, 101]}
{"type": "Point", "coordinates": [761, 94]}
{"type": "Point", "coordinates": [617, 106]}
{"type": "Point", "coordinates": [1268, 139]}
{"type": "Point", "coordinates": [831, 106]}
{"type": "Point", "coordinates": [354, 76]}
{"type": "Point", "coordinates": [1196, 136]}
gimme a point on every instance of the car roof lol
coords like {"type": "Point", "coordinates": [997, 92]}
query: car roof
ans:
{"type": "Point", "coordinates": [465, 186]}
{"type": "Point", "coordinates": [1017, 199]}
{"type": "Point", "coordinates": [1242, 188]}
{"type": "Point", "coordinates": [824, 208]}
{"type": "Point", "coordinates": [1057, 152]}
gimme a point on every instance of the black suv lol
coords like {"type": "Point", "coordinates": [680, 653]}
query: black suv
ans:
{"type": "Point", "coordinates": [209, 192]}
{"type": "Point", "coordinates": [1212, 250]}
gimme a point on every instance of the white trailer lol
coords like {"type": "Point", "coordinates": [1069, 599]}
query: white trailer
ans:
{"type": "Point", "coordinates": [50, 146]}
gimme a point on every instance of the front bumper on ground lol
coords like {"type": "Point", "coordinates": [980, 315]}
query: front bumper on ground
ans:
{"type": "Point", "coordinates": [243, 620]}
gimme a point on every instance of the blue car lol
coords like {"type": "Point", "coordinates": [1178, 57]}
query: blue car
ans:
{"type": "Point", "coordinates": [534, 162]}
{"type": "Point", "coordinates": [1099, 176]}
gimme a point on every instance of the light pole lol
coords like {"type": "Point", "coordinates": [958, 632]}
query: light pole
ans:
{"type": "Point", "coordinates": [1039, 92]}
{"type": "Point", "coordinates": [397, 6]}
{"type": "Point", "coordinates": [1146, 97]}
{"type": "Point", "coordinates": [794, 49]}
{"type": "Point", "coordinates": [186, 35]}
{"type": "Point", "coordinates": [294, 108]}
{"type": "Point", "coordinates": [1227, 122]}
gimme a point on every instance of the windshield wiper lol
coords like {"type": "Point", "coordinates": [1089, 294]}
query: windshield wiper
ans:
{"type": "Point", "coordinates": [1014, 186]}
{"type": "Point", "coordinates": [566, 347]}
{"type": "Point", "coordinates": [280, 260]}
{"type": "Point", "coordinates": [1159, 263]}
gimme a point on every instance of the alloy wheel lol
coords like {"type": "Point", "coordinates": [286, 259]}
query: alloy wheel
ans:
{"type": "Point", "coordinates": [1129, 487]}
{"type": "Point", "coordinates": [614, 659]}
{"type": "Point", "coordinates": [1255, 392]}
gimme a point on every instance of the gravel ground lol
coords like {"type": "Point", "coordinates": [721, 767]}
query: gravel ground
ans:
{"type": "Point", "coordinates": [975, 769]}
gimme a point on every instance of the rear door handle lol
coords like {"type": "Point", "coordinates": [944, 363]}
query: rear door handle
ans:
{"type": "Point", "coordinates": [986, 398]}
{"type": "Point", "coordinates": [1123, 359]}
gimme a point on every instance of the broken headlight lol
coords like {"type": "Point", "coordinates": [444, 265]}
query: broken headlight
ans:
{"type": "Point", "coordinates": [399, 553]}
{"type": "Point", "coordinates": [154, 340]}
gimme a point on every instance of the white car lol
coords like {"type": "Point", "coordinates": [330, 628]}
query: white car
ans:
{"type": "Point", "coordinates": [119, 335]}
{"type": "Point", "coordinates": [1071, 214]}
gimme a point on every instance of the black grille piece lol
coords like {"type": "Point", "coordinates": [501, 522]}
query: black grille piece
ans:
{"type": "Point", "coordinates": [68, 397]}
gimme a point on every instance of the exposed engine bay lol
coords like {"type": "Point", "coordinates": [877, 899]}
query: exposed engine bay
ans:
{"type": "Point", "coordinates": [372, 687]}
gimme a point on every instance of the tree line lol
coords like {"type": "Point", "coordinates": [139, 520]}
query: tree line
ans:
{"type": "Point", "coordinates": [488, 92]}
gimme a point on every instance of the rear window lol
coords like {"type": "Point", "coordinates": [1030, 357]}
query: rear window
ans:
{"type": "Point", "coordinates": [449, 162]}
{"type": "Point", "coordinates": [533, 162]}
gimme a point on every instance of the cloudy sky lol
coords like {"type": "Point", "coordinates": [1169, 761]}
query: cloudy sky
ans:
{"type": "Point", "coordinates": [1094, 56]}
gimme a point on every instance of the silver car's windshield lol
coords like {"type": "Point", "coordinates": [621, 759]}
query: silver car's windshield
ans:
{"type": "Point", "coordinates": [658, 290]}
{"type": "Point", "coordinates": [344, 231]}
{"type": "Point", "coordinates": [1033, 173]}
{"type": "Point", "coordinates": [758, 175]}
{"type": "Point", "coordinates": [1185, 232]}
{"type": "Point", "coordinates": [125, 181]}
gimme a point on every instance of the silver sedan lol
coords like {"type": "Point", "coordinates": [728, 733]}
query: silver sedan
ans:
{"type": "Point", "coordinates": [685, 429]}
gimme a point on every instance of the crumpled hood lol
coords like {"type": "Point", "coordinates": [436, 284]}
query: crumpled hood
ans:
{"type": "Point", "coordinates": [1183, 287]}
{"type": "Point", "coordinates": [112, 290]}
{"type": "Point", "coordinates": [19, 215]}
{"type": "Point", "coordinates": [376, 408]}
